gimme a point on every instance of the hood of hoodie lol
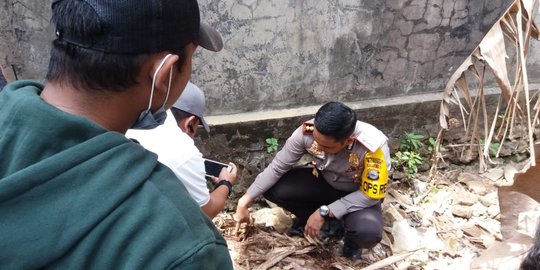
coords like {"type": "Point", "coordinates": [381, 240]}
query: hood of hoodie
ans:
{"type": "Point", "coordinates": [47, 203]}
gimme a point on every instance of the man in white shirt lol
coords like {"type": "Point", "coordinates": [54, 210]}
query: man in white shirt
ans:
{"type": "Point", "coordinates": [176, 149]}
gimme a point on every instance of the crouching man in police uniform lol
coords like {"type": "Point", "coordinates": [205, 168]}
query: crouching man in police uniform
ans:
{"type": "Point", "coordinates": [347, 181]}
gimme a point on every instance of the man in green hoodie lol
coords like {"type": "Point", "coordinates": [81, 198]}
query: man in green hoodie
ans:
{"type": "Point", "coordinates": [74, 192]}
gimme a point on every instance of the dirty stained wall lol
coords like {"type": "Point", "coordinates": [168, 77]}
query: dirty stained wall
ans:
{"type": "Point", "coordinates": [286, 54]}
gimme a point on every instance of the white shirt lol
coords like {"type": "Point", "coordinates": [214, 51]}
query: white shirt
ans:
{"type": "Point", "coordinates": [177, 151]}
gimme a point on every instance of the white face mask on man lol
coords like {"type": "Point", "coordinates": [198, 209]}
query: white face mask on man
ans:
{"type": "Point", "coordinates": [148, 119]}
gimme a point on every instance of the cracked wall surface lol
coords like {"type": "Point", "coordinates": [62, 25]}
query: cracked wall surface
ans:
{"type": "Point", "coordinates": [284, 54]}
{"type": "Point", "coordinates": [25, 36]}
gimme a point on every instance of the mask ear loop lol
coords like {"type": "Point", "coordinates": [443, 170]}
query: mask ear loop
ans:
{"type": "Point", "coordinates": [154, 81]}
{"type": "Point", "coordinates": [168, 87]}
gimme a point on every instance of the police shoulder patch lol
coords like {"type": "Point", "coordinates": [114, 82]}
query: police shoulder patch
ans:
{"type": "Point", "coordinates": [308, 127]}
{"type": "Point", "coordinates": [370, 137]}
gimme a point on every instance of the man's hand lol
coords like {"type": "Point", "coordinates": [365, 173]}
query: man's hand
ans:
{"type": "Point", "coordinates": [229, 176]}
{"type": "Point", "coordinates": [314, 225]}
{"type": "Point", "coordinates": [242, 212]}
{"type": "Point", "coordinates": [242, 215]}
{"type": "Point", "coordinates": [219, 196]}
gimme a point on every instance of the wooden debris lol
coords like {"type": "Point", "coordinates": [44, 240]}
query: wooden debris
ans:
{"type": "Point", "coordinates": [453, 241]}
{"type": "Point", "coordinates": [275, 256]}
{"type": "Point", "coordinates": [341, 267]}
{"type": "Point", "coordinates": [388, 261]}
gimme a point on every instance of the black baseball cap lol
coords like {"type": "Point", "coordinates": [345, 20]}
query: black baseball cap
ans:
{"type": "Point", "coordinates": [144, 26]}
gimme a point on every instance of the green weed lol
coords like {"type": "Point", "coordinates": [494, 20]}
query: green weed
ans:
{"type": "Point", "coordinates": [411, 142]}
{"type": "Point", "coordinates": [271, 145]}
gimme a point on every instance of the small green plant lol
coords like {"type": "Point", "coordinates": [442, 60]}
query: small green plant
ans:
{"type": "Point", "coordinates": [410, 142]}
{"type": "Point", "coordinates": [431, 144]}
{"type": "Point", "coordinates": [492, 148]}
{"type": "Point", "coordinates": [271, 144]}
{"type": "Point", "coordinates": [407, 161]}
{"type": "Point", "coordinates": [413, 149]}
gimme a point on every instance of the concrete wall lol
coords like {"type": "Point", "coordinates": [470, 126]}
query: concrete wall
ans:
{"type": "Point", "coordinates": [25, 37]}
{"type": "Point", "coordinates": [290, 54]}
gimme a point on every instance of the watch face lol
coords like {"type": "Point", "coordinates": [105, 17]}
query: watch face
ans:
{"type": "Point", "coordinates": [324, 211]}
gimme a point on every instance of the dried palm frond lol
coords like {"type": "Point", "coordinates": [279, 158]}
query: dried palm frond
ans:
{"type": "Point", "coordinates": [465, 88]}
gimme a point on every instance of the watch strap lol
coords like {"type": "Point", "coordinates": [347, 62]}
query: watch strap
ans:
{"type": "Point", "coordinates": [226, 183]}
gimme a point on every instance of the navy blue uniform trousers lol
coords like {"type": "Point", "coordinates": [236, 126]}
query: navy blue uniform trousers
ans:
{"type": "Point", "coordinates": [301, 193]}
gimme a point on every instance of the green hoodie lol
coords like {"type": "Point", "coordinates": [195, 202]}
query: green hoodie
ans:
{"type": "Point", "coordinates": [76, 196]}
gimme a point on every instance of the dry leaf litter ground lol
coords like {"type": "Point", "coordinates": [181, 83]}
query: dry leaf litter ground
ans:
{"type": "Point", "coordinates": [444, 223]}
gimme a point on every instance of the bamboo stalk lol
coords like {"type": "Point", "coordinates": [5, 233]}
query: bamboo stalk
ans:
{"type": "Point", "coordinates": [525, 86]}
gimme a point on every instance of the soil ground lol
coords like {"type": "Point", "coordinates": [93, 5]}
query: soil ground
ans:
{"type": "Point", "coordinates": [442, 222]}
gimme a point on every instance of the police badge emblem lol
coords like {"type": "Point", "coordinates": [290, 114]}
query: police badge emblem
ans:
{"type": "Point", "coordinates": [354, 166]}
{"type": "Point", "coordinates": [354, 160]}
{"type": "Point", "coordinates": [308, 128]}
{"type": "Point", "coordinates": [314, 149]}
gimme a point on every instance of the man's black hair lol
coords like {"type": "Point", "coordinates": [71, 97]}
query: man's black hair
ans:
{"type": "Point", "coordinates": [532, 260]}
{"type": "Point", "coordinates": [85, 68]}
{"type": "Point", "coordinates": [336, 120]}
{"type": "Point", "coordinates": [180, 115]}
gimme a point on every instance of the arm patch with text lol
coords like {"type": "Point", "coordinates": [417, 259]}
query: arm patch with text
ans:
{"type": "Point", "coordinates": [375, 175]}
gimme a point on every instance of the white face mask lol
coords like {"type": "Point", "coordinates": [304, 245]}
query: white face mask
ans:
{"type": "Point", "coordinates": [147, 118]}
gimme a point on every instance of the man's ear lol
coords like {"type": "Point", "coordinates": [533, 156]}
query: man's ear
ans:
{"type": "Point", "coordinates": [188, 125]}
{"type": "Point", "coordinates": [349, 140]}
{"type": "Point", "coordinates": [163, 75]}
{"type": "Point", "coordinates": [192, 120]}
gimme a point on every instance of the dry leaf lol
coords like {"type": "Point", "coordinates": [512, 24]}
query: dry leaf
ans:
{"type": "Point", "coordinates": [528, 182]}
{"type": "Point", "coordinates": [512, 203]}
{"type": "Point", "coordinates": [518, 26]}
{"type": "Point", "coordinates": [522, 196]}
{"type": "Point", "coordinates": [450, 246]}
{"type": "Point", "coordinates": [505, 255]}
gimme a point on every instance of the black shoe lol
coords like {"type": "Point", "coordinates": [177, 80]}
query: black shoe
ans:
{"type": "Point", "coordinates": [297, 228]}
{"type": "Point", "coordinates": [352, 254]}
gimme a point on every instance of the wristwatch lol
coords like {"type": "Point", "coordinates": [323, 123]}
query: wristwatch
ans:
{"type": "Point", "coordinates": [226, 183]}
{"type": "Point", "coordinates": [324, 211]}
